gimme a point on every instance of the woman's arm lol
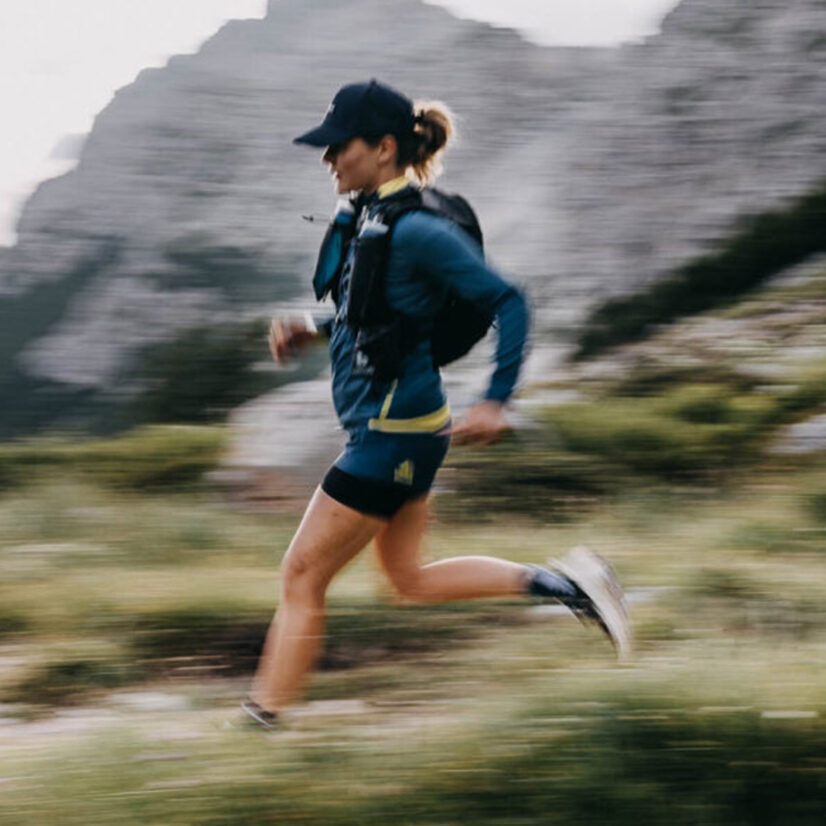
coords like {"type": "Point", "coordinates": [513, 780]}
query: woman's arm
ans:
{"type": "Point", "coordinates": [423, 242]}
{"type": "Point", "coordinates": [427, 243]}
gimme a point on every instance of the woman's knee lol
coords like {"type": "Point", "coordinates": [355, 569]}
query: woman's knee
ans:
{"type": "Point", "coordinates": [300, 581]}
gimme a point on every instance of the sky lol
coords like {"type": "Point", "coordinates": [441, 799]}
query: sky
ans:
{"type": "Point", "coordinates": [568, 22]}
{"type": "Point", "coordinates": [61, 61]}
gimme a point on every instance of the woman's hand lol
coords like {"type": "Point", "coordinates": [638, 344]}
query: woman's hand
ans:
{"type": "Point", "coordinates": [289, 337]}
{"type": "Point", "coordinates": [483, 424]}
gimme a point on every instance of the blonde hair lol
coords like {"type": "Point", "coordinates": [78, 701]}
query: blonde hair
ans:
{"type": "Point", "coordinates": [421, 153]}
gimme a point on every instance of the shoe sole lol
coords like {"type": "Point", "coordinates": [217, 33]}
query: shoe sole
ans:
{"type": "Point", "coordinates": [595, 577]}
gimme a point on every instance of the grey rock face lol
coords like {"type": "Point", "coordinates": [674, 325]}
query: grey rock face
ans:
{"type": "Point", "coordinates": [592, 170]}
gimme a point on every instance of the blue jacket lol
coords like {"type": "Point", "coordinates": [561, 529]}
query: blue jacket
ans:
{"type": "Point", "coordinates": [429, 255]}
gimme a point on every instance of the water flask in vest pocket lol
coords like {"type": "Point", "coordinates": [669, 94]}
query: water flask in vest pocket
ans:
{"type": "Point", "coordinates": [366, 303]}
{"type": "Point", "coordinates": [378, 351]}
{"type": "Point", "coordinates": [331, 255]}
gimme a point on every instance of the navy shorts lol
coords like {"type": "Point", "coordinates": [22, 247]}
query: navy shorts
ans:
{"type": "Point", "coordinates": [379, 472]}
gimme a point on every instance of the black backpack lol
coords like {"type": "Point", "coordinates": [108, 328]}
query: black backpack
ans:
{"type": "Point", "coordinates": [383, 337]}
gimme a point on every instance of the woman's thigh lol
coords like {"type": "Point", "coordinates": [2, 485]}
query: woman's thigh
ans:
{"type": "Point", "coordinates": [399, 542]}
{"type": "Point", "coordinates": [329, 536]}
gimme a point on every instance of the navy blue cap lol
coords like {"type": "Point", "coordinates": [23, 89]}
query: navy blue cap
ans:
{"type": "Point", "coordinates": [365, 110]}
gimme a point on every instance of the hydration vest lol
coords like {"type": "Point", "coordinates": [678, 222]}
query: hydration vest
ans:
{"type": "Point", "coordinates": [383, 335]}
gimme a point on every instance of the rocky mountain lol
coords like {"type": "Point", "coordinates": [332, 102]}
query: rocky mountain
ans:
{"type": "Point", "coordinates": [593, 170]}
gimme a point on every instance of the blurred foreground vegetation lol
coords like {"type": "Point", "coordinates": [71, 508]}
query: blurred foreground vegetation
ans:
{"type": "Point", "coordinates": [146, 458]}
{"type": "Point", "coordinates": [134, 598]}
{"type": "Point", "coordinates": [130, 623]}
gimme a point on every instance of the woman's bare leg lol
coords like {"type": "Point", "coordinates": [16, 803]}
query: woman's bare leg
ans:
{"type": "Point", "coordinates": [329, 536]}
{"type": "Point", "coordinates": [398, 545]}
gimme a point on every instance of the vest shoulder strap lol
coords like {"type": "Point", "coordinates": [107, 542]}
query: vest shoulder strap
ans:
{"type": "Point", "coordinates": [448, 205]}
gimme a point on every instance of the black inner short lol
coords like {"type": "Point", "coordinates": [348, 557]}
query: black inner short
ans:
{"type": "Point", "coordinates": [367, 495]}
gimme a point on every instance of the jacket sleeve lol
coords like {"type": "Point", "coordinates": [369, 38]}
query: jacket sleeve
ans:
{"type": "Point", "coordinates": [435, 246]}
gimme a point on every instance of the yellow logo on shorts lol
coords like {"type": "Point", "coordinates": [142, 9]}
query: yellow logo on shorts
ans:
{"type": "Point", "coordinates": [404, 473]}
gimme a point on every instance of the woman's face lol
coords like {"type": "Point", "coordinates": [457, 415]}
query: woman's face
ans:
{"type": "Point", "coordinates": [355, 165]}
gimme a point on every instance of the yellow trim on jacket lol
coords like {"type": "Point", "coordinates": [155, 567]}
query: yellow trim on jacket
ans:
{"type": "Point", "coordinates": [391, 187]}
{"type": "Point", "coordinates": [388, 400]}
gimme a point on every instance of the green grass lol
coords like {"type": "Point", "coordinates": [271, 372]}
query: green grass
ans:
{"type": "Point", "coordinates": [431, 715]}
{"type": "Point", "coordinates": [625, 762]}
{"type": "Point", "coordinates": [151, 457]}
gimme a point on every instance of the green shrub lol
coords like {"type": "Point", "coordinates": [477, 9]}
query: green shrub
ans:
{"type": "Point", "coordinates": [207, 372]}
{"type": "Point", "coordinates": [769, 537]}
{"type": "Point", "coordinates": [817, 506]}
{"type": "Point", "coordinates": [68, 681]}
{"type": "Point", "coordinates": [809, 391]}
{"type": "Point", "coordinates": [764, 245]}
{"type": "Point", "coordinates": [367, 632]}
{"type": "Point", "coordinates": [145, 458]}
{"type": "Point", "coordinates": [699, 403]}
{"type": "Point", "coordinates": [225, 639]}
{"type": "Point", "coordinates": [632, 766]}
{"type": "Point", "coordinates": [11, 623]}
{"type": "Point", "coordinates": [722, 583]}
{"type": "Point", "coordinates": [655, 378]}
{"type": "Point", "coordinates": [688, 428]}
{"type": "Point", "coordinates": [529, 475]}
{"type": "Point", "coordinates": [631, 433]}
{"type": "Point", "coordinates": [719, 404]}
{"type": "Point", "coordinates": [684, 427]}
{"type": "Point", "coordinates": [152, 457]}
{"type": "Point", "coordinates": [361, 632]}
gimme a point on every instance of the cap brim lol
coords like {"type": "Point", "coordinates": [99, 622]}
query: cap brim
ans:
{"type": "Point", "coordinates": [324, 135]}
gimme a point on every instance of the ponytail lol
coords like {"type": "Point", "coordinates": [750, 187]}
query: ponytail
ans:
{"type": "Point", "coordinates": [422, 151]}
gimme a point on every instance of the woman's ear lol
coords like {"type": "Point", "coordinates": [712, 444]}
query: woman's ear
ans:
{"type": "Point", "coordinates": [388, 150]}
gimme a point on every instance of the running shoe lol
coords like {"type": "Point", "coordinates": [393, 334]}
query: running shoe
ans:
{"type": "Point", "coordinates": [603, 599]}
{"type": "Point", "coordinates": [259, 715]}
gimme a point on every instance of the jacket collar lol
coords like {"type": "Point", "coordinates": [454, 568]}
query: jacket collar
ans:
{"type": "Point", "coordinates": [392, 187]}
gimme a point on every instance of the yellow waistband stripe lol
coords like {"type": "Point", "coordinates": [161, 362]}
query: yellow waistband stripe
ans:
{"type": "Point", "coordinates": [429, 423]}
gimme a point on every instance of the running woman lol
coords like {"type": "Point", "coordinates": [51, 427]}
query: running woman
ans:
{"type": "Point", "coordinates": [378, 144]}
